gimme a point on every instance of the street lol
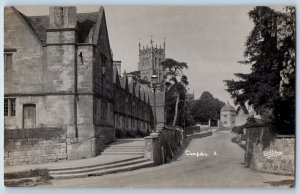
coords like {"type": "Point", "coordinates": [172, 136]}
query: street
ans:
{"type": "Point", "coordinates": [209, 162]}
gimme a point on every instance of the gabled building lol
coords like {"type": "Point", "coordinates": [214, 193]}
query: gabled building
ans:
{"type": "Point", "coordinates": [132, 109]}
{"type": "Point", "coordinates": [60, 100]}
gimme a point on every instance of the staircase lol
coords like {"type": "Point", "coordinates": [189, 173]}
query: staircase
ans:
{"type": "Point", "coordinates": [126, 147]}
{"type": "Point", "coordinates": [129, 154]}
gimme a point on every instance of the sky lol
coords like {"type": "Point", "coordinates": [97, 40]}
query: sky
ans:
{"type": "Point", "coordinates": [210, 39]}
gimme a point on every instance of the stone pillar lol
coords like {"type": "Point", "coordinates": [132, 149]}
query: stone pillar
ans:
{"type": "Point", "coordinates": [153, 150]}
{"type": "Point", "coordinates": [209, 123]}
{"type": "Point", "coordinates": [160, 108]}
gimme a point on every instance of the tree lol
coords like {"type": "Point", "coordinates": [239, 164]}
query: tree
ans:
{"type": "Point", "coordinates": [176, 83]}
{"type": "Point", "coordinates": [270, 50]}
{"type": "Point", "coordinates": [136, 76]}
{"type": "Point", "coordinates": [288, 39]}
{"type": "Point", "coordinates": [206, 107]}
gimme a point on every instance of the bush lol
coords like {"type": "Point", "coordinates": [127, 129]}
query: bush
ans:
{"type": "Point", "coordinates": [238, 129]}
{"type": "Point", "coordinates": [130, 134]}
{"type": "Point", "coordinates": [120, 133]}
{"type": "Point", "coordinates": [141, 133]}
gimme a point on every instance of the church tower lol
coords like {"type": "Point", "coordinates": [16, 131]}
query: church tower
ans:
{"type": "Point", "coordinates": [150, 58]}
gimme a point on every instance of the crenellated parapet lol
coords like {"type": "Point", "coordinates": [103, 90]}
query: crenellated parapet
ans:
{"type": "Point", "coordinates": [154, 50]}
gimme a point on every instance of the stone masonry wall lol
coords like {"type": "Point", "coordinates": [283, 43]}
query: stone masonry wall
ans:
{"type": "Point", "coordinates": [30, 146]}
{"type": "Point", "coordinates": [161, 147]}
{"type": "Point", "coordinates": [25, 74]}
{"type": "Point", "coordinates": [270, 153]}
{"type": "Point", "coordinates": [171, 140]}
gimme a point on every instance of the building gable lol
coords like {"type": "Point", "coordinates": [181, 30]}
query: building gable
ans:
{"type": "Point", "coordinates": [27, 55]}
{"type": "Point", "coordinates": [12, 11]}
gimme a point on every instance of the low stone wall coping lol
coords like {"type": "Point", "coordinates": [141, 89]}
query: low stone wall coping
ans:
{"type": "Point", "coordinates": [171, 128]}
{"type": "Point", "coordinates": [40, 133]}
{"type": "Point", "coordinates": [285, 136]}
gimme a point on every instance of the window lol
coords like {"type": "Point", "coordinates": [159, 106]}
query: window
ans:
{"type": "Point", "coordinates": [225, 122]}
{"type": "Point", "coordinates": [98, 107]}
{"type": "Point", "coordinates": [103, 64]}
{"type": "Point", "coordinates": [9, 107]}
{"type": "Point", "coordinates": [118, 121]}
{"type": "Point", "coordinates": [5, 107]}
{"type": "Point", "coordinates": [7, 61]}
{"type": "Point", "coordinates": [13, 107]}
{"type": "Point", "coordinates": [225, 116]}
{"type": "Point", "coordinates": [103, 110]}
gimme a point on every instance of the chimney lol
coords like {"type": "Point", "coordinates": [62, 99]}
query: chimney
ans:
{"type": "Point", "coordinates": [62, 17]}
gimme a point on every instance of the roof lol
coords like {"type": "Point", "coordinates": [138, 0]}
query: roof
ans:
{"type": "Point", "coordinates": [242, 108]}
{"type": "Point", "coordinates": [227, 107]}
{"type": "Point", "coordinates": [85, 24]}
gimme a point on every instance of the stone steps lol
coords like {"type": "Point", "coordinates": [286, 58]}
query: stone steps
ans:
{"type": "Point", "coordinates": [94, 165]}
{"type": "Point", "coordinates": [132, 149]}
{"type": "Point", "coordinates": [111, 170]}
{"type": "Point", "coordinates": [126, 147]}
{"type": "Point", "coordinates": [89, 170]}
{"type": "Point", "coordinates": [123, 153]}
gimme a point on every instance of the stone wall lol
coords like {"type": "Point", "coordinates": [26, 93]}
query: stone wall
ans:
{"type": "Point", "coordinates": [30, 146]}
{"type": "Point", "coordinates": [51, 111]}
{"type": "Point", "coordinates": [160, 147]}
{"type": "Point", "coordinates": [270, 153]}
{"type": "Point", "coordinates": [192, 130]}
{"type": "Point", "coordinates": [171, 140]}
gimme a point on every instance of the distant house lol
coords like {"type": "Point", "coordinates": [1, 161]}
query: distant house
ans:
{"type": "Point", "coordinates": [242, 115]}
{"type": "Point", "coordinates": [227, 116]}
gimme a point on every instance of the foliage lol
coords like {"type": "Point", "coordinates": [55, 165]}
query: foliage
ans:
{"type": "Point", "coordinates": [270, 50]}
{"type": "Point", "coordinates": [136, 76]}
{"type": "Point", "coordinates": [207, 107]}
{"type": "Point", "coordinates": [238, 129]}
{"type": "Point", "coordinates": [176, 88]}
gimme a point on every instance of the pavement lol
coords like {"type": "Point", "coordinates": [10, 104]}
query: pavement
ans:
{"type": "Point", "coordinates": [209, 162]}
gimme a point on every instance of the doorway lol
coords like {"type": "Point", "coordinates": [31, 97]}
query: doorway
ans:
{"type": "Point", "coordinates": [29, 115]}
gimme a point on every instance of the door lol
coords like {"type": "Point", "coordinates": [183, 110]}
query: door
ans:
{"type": "Point", "coordinates": [29, 114]}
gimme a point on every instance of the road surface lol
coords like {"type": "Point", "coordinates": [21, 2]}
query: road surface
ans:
{"type": "Point", "coordinates": [219, 164]}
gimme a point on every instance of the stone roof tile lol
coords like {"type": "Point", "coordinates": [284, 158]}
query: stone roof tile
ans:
{"type": "Point", "coordinates": [85, 25]}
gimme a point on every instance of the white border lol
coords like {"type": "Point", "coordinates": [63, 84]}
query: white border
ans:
{"type": "Point", "coordinates": [5, 190]}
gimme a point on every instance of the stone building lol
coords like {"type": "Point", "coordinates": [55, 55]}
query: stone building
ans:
{"type": "Point", "coordinates": [132, 109]}
{"type": "Point", "coordinates": [227, 116]}
{"type": "Point", "coordinates": [59, 93]}
{"type": "Point", "coordinates": [150, 59]}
